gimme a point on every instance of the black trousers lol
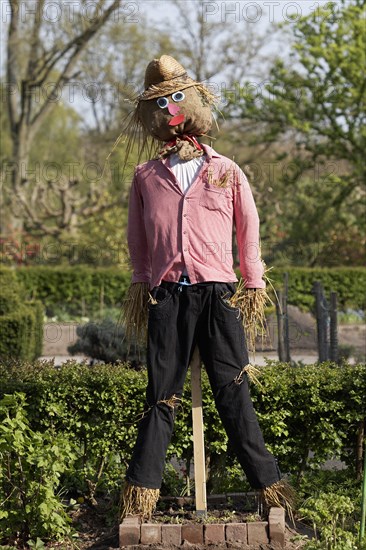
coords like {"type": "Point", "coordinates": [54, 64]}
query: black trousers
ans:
{"type": "Point", "coordinates": [183, 317]}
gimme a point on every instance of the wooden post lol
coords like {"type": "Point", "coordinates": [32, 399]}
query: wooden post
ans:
{"type": "Point", "coordinates": [333, 328]}
{"type": "Point", "coordinates": [198, 438]}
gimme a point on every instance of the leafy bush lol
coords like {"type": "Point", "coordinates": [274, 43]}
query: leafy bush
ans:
{"type": "Point", "coordinates": [300, 409]}
{"type": "Point", "coordinates": [313, 408]}
{"type": "Point", "coordinates": [21, 320]}
{"type": "Point", "coordinates": [331, 501]}
{"type": "Point", "coordinates": [330, 514]}
{"type": "Point", "coordinates": [96, 410]}
{"type": "Point", "coordinates": [96, 407]}
{"type": "Point", "coordinates": [31, 463]}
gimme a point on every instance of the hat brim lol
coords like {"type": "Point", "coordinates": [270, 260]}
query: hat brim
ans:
{"type": "Point", "coordinates": [167, 87]}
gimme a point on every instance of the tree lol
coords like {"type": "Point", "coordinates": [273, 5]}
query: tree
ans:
{"type": "Point", "coordinates": [122, 53]}
{"type": "Point", "coordinates": [309, 118]}
{"type": "Point", "coordinates": [43, 54]}
{"type": "Point", "coordinates": [214, 48]}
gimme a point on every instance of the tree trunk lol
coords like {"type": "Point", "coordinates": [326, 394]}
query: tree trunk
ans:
{"type": "Point", "coordinates": [19, 174]}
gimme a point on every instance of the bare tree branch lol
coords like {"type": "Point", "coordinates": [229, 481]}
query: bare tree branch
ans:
{"type": "Point", "coordinates": [78, 43]}
{"type": "Point", "coordinates": [12, 64]}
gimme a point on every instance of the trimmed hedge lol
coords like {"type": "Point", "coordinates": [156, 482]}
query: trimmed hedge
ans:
{"type": "Point", "coordinates": [314, 408]}
{"type": "Point", "coordinates": [81, 290]}
{"type": "Point", "coordinates": [84, 290]}
{"type": "Point", "coordinates": [348, 282]}
{"type": "Point", "coordinates": [21, 321]}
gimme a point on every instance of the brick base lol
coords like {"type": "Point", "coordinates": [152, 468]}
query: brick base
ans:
{"type": "Point", "coordinates": [131, 532]}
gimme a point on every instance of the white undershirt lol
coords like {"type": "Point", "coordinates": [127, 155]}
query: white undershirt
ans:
{"type": "Point", "coordinates": [185, 172]}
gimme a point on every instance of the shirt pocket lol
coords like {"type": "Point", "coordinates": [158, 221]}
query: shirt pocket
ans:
{"type": "Point", "coordinates": [215, 199]}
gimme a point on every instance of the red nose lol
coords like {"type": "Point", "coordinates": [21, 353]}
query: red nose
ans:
{"type": "Point", "coordinates": [173, 108]}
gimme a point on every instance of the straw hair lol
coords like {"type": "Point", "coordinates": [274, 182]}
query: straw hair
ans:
{"type": "Point", "coordinates": [281, 494]}
{"type": "Point", "coordinates": [252, 373]}
{"type": "Point", "coordinates": [252, 304]}
{"type": "Point", "coordinates": [138, 501]}
{"type": "Point", "coordinates": [134, 312]}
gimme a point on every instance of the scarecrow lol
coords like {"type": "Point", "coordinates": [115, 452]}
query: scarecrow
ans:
{"type": "Point", "coordinates": [182, 207]}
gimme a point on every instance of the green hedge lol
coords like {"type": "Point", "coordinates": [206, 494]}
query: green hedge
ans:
{"type": "Point", "coordinates": [21, 320]}
{"type": "Point", "coordinates": [80, 290]}
{"type": "Point", "coordinates": [348, 282]}
{"type": "Point", "coordinates": [301, 409]}
{"type": "Point", "coordinates": [85, 291]}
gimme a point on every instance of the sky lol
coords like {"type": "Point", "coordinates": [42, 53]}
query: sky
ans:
{"type": "Point", "coordinates": [259, 12]}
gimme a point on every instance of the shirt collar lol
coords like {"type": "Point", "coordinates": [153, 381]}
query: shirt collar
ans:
{"type": "Point", "coordinates": [209, 152]}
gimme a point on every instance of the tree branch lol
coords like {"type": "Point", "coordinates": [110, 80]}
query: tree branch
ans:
{"type": "Point", "coordinates": [79, 44]}
{"type": "Point", "coordinates": [12, 65]}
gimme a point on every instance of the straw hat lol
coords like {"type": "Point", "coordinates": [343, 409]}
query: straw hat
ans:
{"type": "Point", "coordinates": [165, 76]}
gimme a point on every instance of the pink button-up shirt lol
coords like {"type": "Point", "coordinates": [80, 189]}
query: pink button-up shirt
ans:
{"type": "Point", "coordinates": [169, 230]}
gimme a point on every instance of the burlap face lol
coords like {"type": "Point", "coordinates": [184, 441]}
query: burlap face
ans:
{"type": "Point", "coordinates": [196, 111]}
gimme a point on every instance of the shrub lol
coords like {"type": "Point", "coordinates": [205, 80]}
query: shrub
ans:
{"type": "Point", "coordinates": [330, 514]}
{"type": "Point", "coordinates": [106, 341]}
{"type": "Point", "coordinates": [300, 409]}
{"type": "Point", "coordinates": [21, 320]}
{"type": "Point", "coordinates": [84, 419]}
{"type": "Point", "coordinates": [31, 464]}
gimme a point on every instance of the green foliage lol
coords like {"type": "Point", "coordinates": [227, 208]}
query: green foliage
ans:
{"type": "Point", "coordinates": [80, 290]}
{"type": "Point", "coordinates": [311, 408]}
{"type": "Point", "coordinates": [309, 119]}
{"type": "Point", "coordinates": [331, 500]}
{"type": "Point", "coordinates": [300, 409]}
{"type": "Point", "coordinates": [21, 320]}
{"type": "Point", "coordinates": [348, 282]}
{"type": "Point", "coordinates": [320, 94]}
{"type": "Point", "coordinates": [31, 465]}
{"type": "Point", "coordinates": [96, 409]}
{"type": "Point", "coordinates": [329, 513]}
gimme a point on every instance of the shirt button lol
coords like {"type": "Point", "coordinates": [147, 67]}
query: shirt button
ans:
{"type": "Point", "coordinates": [185, 250]}
{"type": "Point", "coordinates": [184, 232]}
{"type": "Point", "coordinates": [185, 215]}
